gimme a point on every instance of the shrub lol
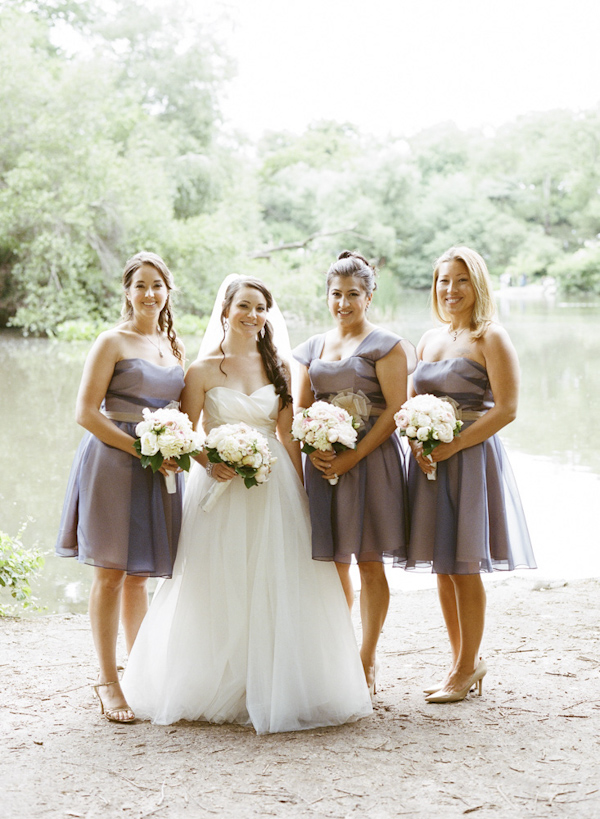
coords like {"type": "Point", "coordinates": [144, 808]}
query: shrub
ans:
{"type": "Point", "coordinates": [17, 566]}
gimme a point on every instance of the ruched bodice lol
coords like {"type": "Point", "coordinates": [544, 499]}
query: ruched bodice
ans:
{"type": "Point", "coordinates": [223, 405]}
{"type": "Point", "coordinates": [137, 383]}
{"type": "Point", "coordinates": [357, 371]}
{"type": "Point", "coordinates": [464, 380]}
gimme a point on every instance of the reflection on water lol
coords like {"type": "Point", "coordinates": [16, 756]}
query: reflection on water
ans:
{"type": "Point", "coordinates": [554, 444]}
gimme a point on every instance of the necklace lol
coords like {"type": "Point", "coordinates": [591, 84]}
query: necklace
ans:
{"type": "Point", "coordinates": [154, 344]}
{"type": "Point", "coordinates": [454, 334]}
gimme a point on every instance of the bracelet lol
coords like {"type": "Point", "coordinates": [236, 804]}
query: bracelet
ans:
{"type": "Point", "coordinates": [209, 469]}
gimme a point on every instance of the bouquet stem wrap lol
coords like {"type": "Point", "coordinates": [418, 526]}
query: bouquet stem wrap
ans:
{"type": "Point", "coordinates": [171, 483]}
{"type": "Point", "coordinates": [215, 491]}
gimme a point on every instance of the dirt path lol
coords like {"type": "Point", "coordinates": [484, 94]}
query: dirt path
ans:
{"type": "Point", "coordinates": [530, 747]}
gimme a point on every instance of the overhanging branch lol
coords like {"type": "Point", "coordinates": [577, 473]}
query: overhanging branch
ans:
{"type": "Point", "coordinates": [266, 253]}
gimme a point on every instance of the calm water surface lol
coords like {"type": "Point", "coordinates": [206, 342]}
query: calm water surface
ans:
{"type": "Point", "coordinates": [554, 444]}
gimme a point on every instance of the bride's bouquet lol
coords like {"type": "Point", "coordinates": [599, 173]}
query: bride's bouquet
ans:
{"type": "Point", "coordinates": [166, 433]}
{"type": "Point", "coordinates": [430, 420]}
{"type": "Point", "coordinates": [242, 448]}
{"type": "Point", "coordinates": [325, 427]}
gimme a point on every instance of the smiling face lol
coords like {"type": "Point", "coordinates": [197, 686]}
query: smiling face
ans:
{"type": "Point", "coordinates": [247, 312]}
{"type": "Point", "coordinates": [147, 292]}
{"type": "Point", "coordinates": [347, 300]}
{"type": "Point", "coordinates": [454, 290]}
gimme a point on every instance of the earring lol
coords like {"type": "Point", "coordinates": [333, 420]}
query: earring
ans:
{"type": "Point", "coordinates": [225, 325]}
{"type": "Point", "coordinates": [262, 333]}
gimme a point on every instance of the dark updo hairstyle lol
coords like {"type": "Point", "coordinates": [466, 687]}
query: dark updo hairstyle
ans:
{"type": "Point", "coordinates": [272, 363]}
{"type": "Point", "coordinates": [165, 318]}
{"type": "Point", "coordinates": [351, 263]}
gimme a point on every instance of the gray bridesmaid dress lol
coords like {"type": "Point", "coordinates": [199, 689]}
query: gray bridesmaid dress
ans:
{"type": "Point", "coordinates": [116, 514]}
{"type": "Point", "coordinates": [364, 515]}
{"type": "Point", "coordinates": [470, 519]}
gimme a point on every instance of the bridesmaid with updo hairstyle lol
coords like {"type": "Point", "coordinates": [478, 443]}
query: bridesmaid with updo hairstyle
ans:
{"type": "Point", "coordinates": [363, 368]}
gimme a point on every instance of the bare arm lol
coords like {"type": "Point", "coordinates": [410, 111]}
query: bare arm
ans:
{"type": "Point", "coordinates": [306, 396]}
{"type": "Point", "coordinates": [503, 370]}
{"type": "Point", "coordinates": [97, 373]}
{"type": "Point", "coordinates": [284, 433]}
{"type": "Point", "coordinates": [392, 376]}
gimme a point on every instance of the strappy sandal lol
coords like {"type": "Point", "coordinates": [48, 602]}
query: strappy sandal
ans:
{"type": "Point", "coordinates": [111, 714]}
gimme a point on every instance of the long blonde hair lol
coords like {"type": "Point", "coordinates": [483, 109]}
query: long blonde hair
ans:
{"type": "Point", "coordinates": [484, 308]}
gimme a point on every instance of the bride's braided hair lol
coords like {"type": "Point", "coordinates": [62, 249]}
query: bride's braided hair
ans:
{"type": "Point", "coordinates": [274, 368]}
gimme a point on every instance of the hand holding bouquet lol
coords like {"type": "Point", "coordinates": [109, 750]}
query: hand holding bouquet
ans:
{"type": "Point", "coordinates": [325, 427]}
{"type": "Point", "coordinates": [430, 420]}
{"type": "Point", "coordinates": [166, 433]}
{"type": "Point", "coordinates": [242, 448]}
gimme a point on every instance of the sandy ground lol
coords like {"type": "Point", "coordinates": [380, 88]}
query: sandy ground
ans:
{"type": "Point", "coordinates": [530, 746]}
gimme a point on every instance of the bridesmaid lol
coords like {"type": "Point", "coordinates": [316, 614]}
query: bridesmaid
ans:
{"type": "Point", "coordinates": [117, 516]}
{"type": "Point", "coordinates": [469, 520]}
{"type": "Point", "coordinates": [363, 516]}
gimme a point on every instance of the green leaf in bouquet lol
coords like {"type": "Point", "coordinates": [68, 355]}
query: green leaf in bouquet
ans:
{"type": "Point", "coordinates": [137, 445]}
{"type": "Point", "coordinates": [307, 449]}
{"type": "Point", "coordinates": [184, 462]}
{"type": "Point", "coordinates": [250, 482]}
{"type": "Point", "coordinates": [429, 446]}
{"type": "Point", "coordinates": [156, 461]}
{"type": "Point", "coordinates": [214, 457]}
{"type": "Point", "coordinates": [245, 471]}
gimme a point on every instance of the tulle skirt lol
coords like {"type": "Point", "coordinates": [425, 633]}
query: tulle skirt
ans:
{"type": "Point", "coordinates": [250, 629]}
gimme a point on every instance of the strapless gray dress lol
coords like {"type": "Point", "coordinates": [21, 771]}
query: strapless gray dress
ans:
{"type": "Point", "coordinates": [365, 514]}
{"type": "Point", "coordinates": [116, 514]}
{"type": "Point", "coordinates": [470, 519]}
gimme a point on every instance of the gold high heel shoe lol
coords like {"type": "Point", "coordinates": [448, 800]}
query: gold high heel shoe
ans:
{"type": "Point", "coordinates": [111, 713]}
{"type": "Point", "coordinates": [434, 690]}
{"type": "Point", "coordinates": [456, 696]}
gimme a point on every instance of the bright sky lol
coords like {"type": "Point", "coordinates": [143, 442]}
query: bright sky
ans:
{"type": "Point", "coordinates": [395, 66]}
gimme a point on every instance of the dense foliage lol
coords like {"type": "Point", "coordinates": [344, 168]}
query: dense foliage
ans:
{"type": "Point", "coordinates": [116, 144]}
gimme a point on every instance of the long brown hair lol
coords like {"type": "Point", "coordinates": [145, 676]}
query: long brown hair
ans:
{"type": "Point", "coordinates": [274, 368]}
{"type": "Point", "coordinates": [165, 318]}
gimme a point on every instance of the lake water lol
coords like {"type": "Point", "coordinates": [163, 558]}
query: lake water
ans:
{"type": "Point", "coordinates": [554, 444]}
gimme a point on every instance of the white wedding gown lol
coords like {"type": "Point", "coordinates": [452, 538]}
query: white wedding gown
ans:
{"type": "Point", "coordinates": [250, 629]}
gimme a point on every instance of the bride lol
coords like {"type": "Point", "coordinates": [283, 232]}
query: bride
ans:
{"type": "Point", "coordinates": [250, 629]}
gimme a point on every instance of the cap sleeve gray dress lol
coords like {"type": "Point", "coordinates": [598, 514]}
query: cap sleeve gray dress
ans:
{"type": "Point", "coordinates": [118, 515]}
{"type": "Point", "coordinates": [364, 515]}
{"type": "Point", "coordinates": [470, 519]}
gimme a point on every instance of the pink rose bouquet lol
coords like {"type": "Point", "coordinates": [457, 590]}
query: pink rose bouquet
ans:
{"type": "Point", "coordinates": [325, 427]}
{"type": "Point", "coordinates": [166, 433]}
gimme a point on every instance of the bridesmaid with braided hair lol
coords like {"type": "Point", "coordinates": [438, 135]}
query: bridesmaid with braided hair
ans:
{"type": "Point", "coordinates": [117, 516]}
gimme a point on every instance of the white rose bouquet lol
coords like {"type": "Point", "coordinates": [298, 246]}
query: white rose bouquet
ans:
{"type": "Point", "coordinates": [325, 427]}
{"type": "Point", "coordinates": [242, 448]}
{"type": "Point", "coordinates": [430, 420]}
{"type": "Point", "coordinates": [166, 433]}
